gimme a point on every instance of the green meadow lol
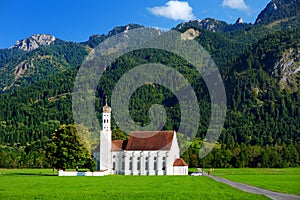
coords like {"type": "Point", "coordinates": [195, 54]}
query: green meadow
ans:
{"type": "Point", "coordinates": [286, 180]}
{"type": "Point", "coordinates": [42, 184]}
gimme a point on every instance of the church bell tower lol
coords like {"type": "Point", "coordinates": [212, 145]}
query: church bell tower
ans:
{"type": "Point", "coordinates": [105, 139]}
{"type": "Point", "coordinates": [106, 117]}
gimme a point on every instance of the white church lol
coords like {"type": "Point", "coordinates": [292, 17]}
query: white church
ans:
{"type": "Point", "coordinates": [144, 153]}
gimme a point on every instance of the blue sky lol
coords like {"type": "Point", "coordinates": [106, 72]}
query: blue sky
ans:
{"type": "Point", "coordinates": [75, 20]}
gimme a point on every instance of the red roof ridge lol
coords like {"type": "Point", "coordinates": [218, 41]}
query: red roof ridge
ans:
{"type": "Point", "coordinates": [150, 140]}
{"type": "Point", "coordinates": [179, 162]}
{"type": "Point", "coordinates": [118, 145]}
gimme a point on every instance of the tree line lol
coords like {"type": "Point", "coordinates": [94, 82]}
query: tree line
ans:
{"type": "Point", "coordinates": [243, 155]}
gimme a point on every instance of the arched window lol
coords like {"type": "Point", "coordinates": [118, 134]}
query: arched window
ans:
{"type": "Point", "coordinates": [138, 166]}
{"type": "Point", "coordinates": [130, 163]}
{"type": "Point", "coordinates": [164, 163]}
{"type": "Point", "coordinates": [147, 163]}
{"type": "Point", "coordinates": [123, 165]}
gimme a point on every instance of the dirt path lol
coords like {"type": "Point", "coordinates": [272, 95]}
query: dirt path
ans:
{"type": "Point", "coordinates": [256, 190]}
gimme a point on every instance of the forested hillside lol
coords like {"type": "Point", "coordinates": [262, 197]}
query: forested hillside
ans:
{"type": "Point", "coordinates": [259, 65]}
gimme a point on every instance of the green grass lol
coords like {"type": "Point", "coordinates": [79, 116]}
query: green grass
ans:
{"type": "Point", "coordinates": [285, 180]}
{"type": "Point", "coordinates": [41, 184]}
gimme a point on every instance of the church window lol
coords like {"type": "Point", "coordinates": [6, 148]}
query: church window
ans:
{"type": "Point", "coordinates": [130, 163]}
{"type": "Point", "coordinates": [164, 163]}
{"type": "Point", "coordinates": [154, 167]}
{"type": "Point", "coordinates": [123, 165]}
{"type": "Point", "coordinates": [147, 165]}
{"type": "Point", "coordinates": [114, 165]}
{"type": "Point", "coordinates": [138, 166]}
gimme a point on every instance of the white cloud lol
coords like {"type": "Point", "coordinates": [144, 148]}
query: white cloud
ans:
{"type": "Point", "coordinates": [176, 10]}
{"type": "Point", "coordinates": [235, 4]}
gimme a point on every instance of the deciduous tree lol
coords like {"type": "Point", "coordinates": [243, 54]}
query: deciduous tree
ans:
{"type": "Point", "coordinates": [65, 150]}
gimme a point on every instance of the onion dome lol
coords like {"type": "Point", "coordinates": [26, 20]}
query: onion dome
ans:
{"type": "Point", "coordinates": [106, 108]}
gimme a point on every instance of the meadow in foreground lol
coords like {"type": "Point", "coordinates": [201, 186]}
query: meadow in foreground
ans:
{"type": "Point", "coordinates": [41, 184]}
{"type": "Point", "coordinates": [286, 180]}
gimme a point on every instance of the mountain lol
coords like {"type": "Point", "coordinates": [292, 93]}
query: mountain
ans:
{"type": "Point", "coordinates": [22, 67]}
{"type": "Point", "coordinates": [259, 64]}
{"type": "Point", "coordinates": [206, 24]}
{"type": "Point", "coordinates": [279, 10]}
{"type": "Point", "coordinates": [34, 42]}
{"type": "Point", "coordinates": [96, 39]}
{"type": "Point", "coordinates": [40, 56]}
{"type": "Point", "coordinates": [213, 25]}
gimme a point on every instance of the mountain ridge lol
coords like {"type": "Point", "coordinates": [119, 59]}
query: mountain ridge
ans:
{"type": "Point", "coordinates": [238, 37]}
{"type": "Point", "coordinates": [271, 13]}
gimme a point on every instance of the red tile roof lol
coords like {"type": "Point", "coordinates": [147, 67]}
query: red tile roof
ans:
{"type": "Point", "coordinates": [179, 162]}
{"type": "Point", "coordinates": [118, 145]}
{"type": "Point", "coordinates": [150, 140]}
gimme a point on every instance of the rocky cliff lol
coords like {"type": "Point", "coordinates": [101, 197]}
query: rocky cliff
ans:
{"type": "Point", "coordinates": [34, 41]}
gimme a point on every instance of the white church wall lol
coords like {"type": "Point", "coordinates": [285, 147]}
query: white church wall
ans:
{"type": "Point", "coordinates": [117, 162]}
{"type": "Point", "coordinates": [169, 168]}
{"type": "Point", "coordinates": [134, 164]}
{"type": "Point", "coordinates": [173, 154]}
{"type": "Point", "coordinates": [140, 162]}
{"type": "Point", "coordinates": [180, 170]}
{"type": "Point", "coordinates": [105, 150]}
{"type": "Point", "coordinates": [174, 150]}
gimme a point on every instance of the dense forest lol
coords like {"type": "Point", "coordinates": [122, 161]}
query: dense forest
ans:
{"type": "Point", "coordinates": [262, 126]}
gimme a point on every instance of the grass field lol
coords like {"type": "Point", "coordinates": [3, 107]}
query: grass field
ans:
{"type": "Point", "coordinates": [285, 180]}
{"type": "Point", "coordinates": [41, 184]}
